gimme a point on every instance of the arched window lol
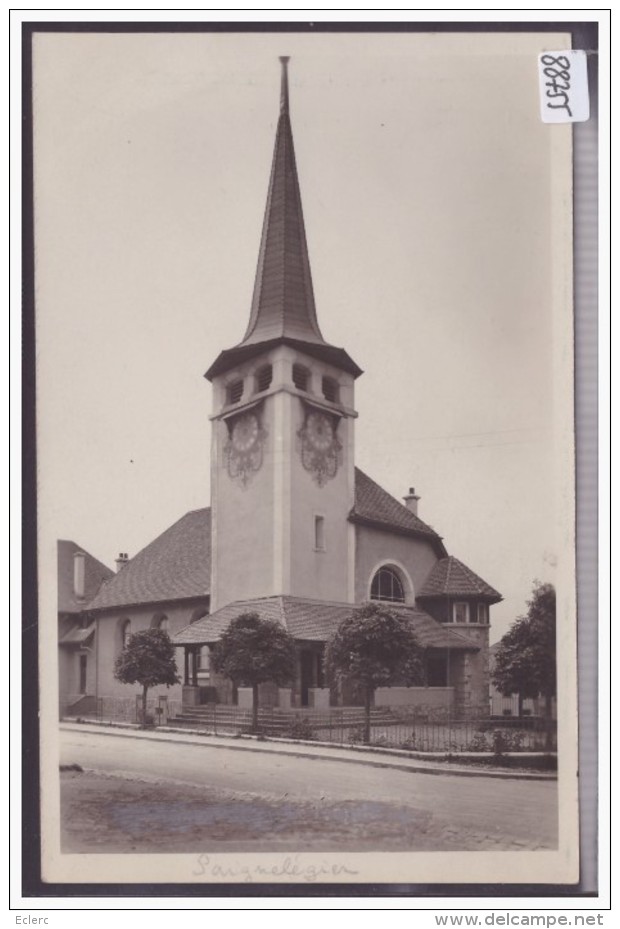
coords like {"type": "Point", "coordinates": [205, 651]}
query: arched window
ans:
{"type": "Point", "coordinates": [234, 391]}
{"type": "Point", "coordinates": [331, 390]}
{"type": "Point", "coordinates": [264, 377]}
{"type": "Point", "coordinates": [125, 632]}
{"type": "Point", "coordinates": [387, 585]}
{"type": "Point", "coordinates": [163, 624]}
{"type": "Point", "coordinates": [301, 376]}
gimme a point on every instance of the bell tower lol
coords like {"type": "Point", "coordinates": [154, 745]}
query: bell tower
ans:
{"type": "Point", "coordinates": [282, 450]}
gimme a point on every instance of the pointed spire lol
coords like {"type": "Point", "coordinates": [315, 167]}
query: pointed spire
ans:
{"type": "Point", "coordinates": [283, 300]}
{"type": "Point", "coordinates": [284, 60]}
{"type": "Point", "coordinates": [283, 307]}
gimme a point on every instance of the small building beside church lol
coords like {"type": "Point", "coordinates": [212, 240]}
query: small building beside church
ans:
{"type": "Point", "coordinates": [80, 577]}
{"type": "Point", "coordinates": [295, 531]}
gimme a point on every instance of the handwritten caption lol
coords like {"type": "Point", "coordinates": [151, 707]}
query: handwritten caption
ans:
{"type": "Point", "coordinates": [290, 868]}
{"type": "Point", "coordinates": [563, 84]}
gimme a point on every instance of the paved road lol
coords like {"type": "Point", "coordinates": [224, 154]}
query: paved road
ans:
{"type": "Point", "coordinates": [476, 812]}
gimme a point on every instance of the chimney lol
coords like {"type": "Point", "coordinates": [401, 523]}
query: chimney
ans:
{"type": "Point", "coordinates": [411, 501]}
{"type": "Point", "coordinates": [79, 575]}
{"type": "Point", "coordinates": [121, 561]}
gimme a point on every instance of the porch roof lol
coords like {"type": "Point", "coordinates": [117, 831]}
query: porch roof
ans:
{"type": "Point", "coordinates": [312, 621]}
{"type": "Point", "coordinates": [77, 635]}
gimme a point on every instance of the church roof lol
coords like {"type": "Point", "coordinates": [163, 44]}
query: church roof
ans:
{"type": "Point", "coordinates": [312, 621]}
{"type": "Point", "coordinates": [283, 300]}
{"type": "Point", "coordinates": [450, 577]}
{"type": "Point", "coordinates": [175, 566]}
{"type": "Point", "coordinates": [283, 308]}
{"type": "Point", "coordinates": [376, 507]}
{"type": "Point", "coordinates": [95, 573]}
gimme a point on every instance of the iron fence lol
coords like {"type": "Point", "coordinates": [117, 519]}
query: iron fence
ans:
{"type": "Point", "coordinates": [410, 730]}
{"type": "Point", "coordinates": [417, 729]}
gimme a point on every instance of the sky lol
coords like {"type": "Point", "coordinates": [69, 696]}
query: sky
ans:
{"type": "Point", "coordinates": [435, 204]}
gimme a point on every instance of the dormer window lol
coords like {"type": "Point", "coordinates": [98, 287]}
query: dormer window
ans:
{"type": "Point", "coordinates": [331, 390]}
{"type": "Point", "coordinates": [264, 377]}
{"type": "Point", "coordinates": [301, 377]}
{"type": "Point", "coordinates": [234, 391]}
{"type": "Point", "coordinates": [483, 614]}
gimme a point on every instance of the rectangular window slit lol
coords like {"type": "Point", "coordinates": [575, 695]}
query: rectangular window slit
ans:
{"type": "Point", "coordinates": [319, 533]}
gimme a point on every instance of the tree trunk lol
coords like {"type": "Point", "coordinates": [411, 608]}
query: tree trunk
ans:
{"type": "Point", "coordinates": [367, 701]}
{"type": "Point", "coordinates": [520, 704]}
{"type": "Point", "coordinates": [144, 693]}
{"type": "Point", "coordinates": [254, 707]}
{"type": "Point", "coordinates": [548, 724]}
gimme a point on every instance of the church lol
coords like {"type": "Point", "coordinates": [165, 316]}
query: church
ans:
{"type": "Point", "coordinates": [295, 532]}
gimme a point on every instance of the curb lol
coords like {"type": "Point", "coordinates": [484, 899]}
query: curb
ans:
{"type": "Point", "coordinates": [254, 745]}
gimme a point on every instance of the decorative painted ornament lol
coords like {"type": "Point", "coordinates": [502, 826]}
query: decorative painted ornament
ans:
{"type": "Point", "coordinates": [321, 450]}
{"type": "Point", "coordinates": [244, 450]}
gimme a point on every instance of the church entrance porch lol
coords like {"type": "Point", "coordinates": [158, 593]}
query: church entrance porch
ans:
{"type": "Point", "coordinates": [309, 689]}
{"type": "Point", "coordinates": [441, 691]}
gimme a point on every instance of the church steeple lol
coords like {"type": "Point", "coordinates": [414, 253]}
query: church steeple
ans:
{"type": "Point", "coordinates": [283, 308]}
{"type": "Point", "coordinates": [283, 301]}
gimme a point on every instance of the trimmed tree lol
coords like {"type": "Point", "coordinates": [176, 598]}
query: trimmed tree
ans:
{"type": "Point", "coordinates": [375, 647]}
{"type": "Point", "coordinates": [253, 651]}
{"type": "Point", "coordinates": [525, 662]}
{"type": "Point", "coordinates": [147, 659]}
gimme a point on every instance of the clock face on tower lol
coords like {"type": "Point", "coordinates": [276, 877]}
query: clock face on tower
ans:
{"type": "Point", "coordinates": [320, 446]}
{"type": "Point", "coordinates": [245, 432]}
{"type": "Point", "coordinates": [244, 450]}
{"type": "Point", "coordinates": [319, 431]}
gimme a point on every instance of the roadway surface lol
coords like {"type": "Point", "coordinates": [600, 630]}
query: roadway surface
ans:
{"type": "Point", "coordinates": [234, 798]}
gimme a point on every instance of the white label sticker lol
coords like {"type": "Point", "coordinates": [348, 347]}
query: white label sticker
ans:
{"type": "Point", "coordinates": [563, 82]}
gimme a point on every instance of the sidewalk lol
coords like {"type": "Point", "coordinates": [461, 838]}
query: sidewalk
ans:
{"type": "Point", "coordinates": [355, 754]}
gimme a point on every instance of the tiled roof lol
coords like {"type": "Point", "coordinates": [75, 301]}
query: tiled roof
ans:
{"type": "Point", "coordinates": [312, 621]}
{"type": "Point", "coordinates": [94, 574]}
{"type": "Point", "coordinates": [375, 505]}
{"type": "Point", "coordinates": [77, 635]}
{"type": "Point", "coordinates": [450, 577]}
{"type": "Point", "coordinates": [175, 566]}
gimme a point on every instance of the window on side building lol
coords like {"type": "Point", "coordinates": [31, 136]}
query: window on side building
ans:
{"type": "Point", "coordinates": [483, 614]}
{"type": "Point", "coordinates": [125, 632]}
{"type": "Point", "coordinates": [460, 611]}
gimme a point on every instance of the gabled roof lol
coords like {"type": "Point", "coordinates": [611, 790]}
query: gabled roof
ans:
{"type": "Point", "coordinates": [175, 566]}
{"type": "Point", "coordinates": [94, 574]}
{"type": "Point", "coordinates": [375, 506]}
{"type": "Point", "coordinates": [313, 621]}
{"type": "Point", "coordinates": [283, 308]}
{"type": "Point", "coordinates": [450, 577]}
